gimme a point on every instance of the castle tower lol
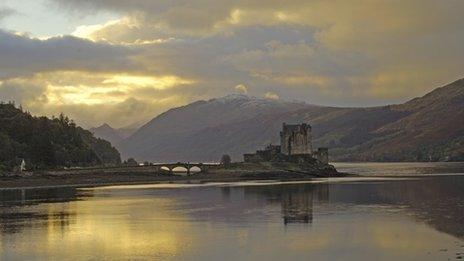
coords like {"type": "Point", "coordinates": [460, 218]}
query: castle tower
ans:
{"type": "Point", "coordinates": [296, 139]}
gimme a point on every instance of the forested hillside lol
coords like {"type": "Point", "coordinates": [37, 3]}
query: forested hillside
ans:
{"type": "Point", "coordinates": [48, 143]}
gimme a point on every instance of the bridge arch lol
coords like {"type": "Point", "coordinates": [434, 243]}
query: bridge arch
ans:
{"type": "Point", "coordinates": [165, 168]}
{"type": "Point", "coordinates": [180, 169]}
{"type": "Point", "coordinates": [195, 169]}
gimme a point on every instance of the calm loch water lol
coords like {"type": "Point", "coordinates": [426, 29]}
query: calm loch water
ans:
{"type": "Point", "coordinates": [418, 218]}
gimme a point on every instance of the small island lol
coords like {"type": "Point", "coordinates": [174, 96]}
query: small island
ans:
{"type": "Point", "coordinates": [294, 154]}
{"type": "Point", "coordinates": [294, 158]}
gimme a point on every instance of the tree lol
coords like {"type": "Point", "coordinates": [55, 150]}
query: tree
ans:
{"type": "Point", "coordinates": [225, 160]}
{"type": "Point", "coordinates": [132, 162]}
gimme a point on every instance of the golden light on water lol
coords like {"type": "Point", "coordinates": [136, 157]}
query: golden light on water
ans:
{"type": "Point", "coordinates": [88, 226]}
{"type": "Point", "coordinates": [210, 222]}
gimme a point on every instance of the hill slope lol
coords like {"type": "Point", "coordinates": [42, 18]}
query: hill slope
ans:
{"type": "Point", "coordinates": [426, 128]}
{"type": "Point", "coordinates": [115, 136]}
{"type": "Point", "coordinates": [48, 143]}
{"type": "Point", "coordinates": [168, 136]}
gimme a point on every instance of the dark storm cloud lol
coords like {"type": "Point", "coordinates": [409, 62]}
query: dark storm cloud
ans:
{"type": "Point", "coordinates": [21, 55]}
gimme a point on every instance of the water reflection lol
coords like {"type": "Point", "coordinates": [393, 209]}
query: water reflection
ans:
{"type": "Point", "coordinates": [34, 196]}
{"type": "Point", "coordinates": [296, 200]}
{"type": "Point", "coordinates": [14, 217]}
{"type": "Point", "coordinates": [380, 220]}
{"type": "Point", "coordinates": [297, 208]}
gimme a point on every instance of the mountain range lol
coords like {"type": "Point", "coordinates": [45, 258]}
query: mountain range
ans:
{"type": "Point", "coordinates": [427, 128]}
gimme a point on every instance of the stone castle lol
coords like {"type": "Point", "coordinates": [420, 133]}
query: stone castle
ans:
{"type": "Point", "coordinates": [295, 146]}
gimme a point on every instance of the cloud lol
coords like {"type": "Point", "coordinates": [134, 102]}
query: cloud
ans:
{"type": "Point", "coordinates": [297, 63]}
{"type": "Point", "coordinates": [87, 31]}
{"type": "Point", "coordinates": [241, 88]}
{"type": "Point", "coordinates": [22, 91]}
{"type": "Point", "coordinates": [167, 53]}
{"type": "Point", "coordinates": [5, 12]}
{"type": "Point", "coordinates": [20, 55]}
{"type": "Point", "coordinates": [337, 17]}
{"type": "Point", "coordinates": [93, 98]}
{"type": "Point", "coordinates": [271, 96]}
{"type": "Point", "coordinates": [128, 111]}
{"type": "Point", "coordinates": [338, 46]}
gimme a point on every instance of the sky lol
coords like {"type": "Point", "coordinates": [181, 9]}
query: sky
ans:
{"type": "Point", "coordinates": [124, 62]}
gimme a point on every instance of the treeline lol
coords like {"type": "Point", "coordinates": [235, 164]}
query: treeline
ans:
{"type": "Point", "coordinates": [46, 143]}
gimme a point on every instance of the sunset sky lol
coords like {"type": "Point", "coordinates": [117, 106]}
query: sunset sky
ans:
{"type": "Point", "coordinates": [124, 62]}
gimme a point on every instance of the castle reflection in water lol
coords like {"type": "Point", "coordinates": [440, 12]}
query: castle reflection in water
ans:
{"type": "Point", "coordinates": [297, 202]}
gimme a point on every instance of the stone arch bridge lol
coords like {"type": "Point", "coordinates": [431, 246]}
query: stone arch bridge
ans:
{"type": "Point", "coordinates": [204, 167]}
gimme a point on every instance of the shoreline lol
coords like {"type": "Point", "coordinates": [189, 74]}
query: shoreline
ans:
{"type": "Point", "coordinates": [135, 175]}
{"type": "Point", "coordinates": [71, 181]}
{"type": "Point", "coordinates": [44, 182]}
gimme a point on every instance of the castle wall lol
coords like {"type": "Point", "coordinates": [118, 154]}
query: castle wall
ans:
{"type": "Point", "coordinates": [252, 158]}
{"type": "Point", "coordinates": [296, 139]}
{"type": "Point", "coordinates": [269, 153]}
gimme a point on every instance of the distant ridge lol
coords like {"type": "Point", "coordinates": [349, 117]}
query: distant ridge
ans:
{"type": "Point", "coordinates": [115, 136]}
{"type": "Point", "coordinates": [430, 127]}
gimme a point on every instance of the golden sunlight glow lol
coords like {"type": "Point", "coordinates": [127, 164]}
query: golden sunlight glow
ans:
{"type": "Point", "coordinates": [87, 31]}
{"type": "Point", "coordinates": [304, 80]}
{"type": "Point", "coordinates": [72, 87]}
{"type": "Point", "coordinates": [281, 16]}
{"type": "Point", "coordinates": [81, 94]}
{"type": "Point", "coordinates": [159, 83]}
{"type": "Point", "coordinates": [235, 16]}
